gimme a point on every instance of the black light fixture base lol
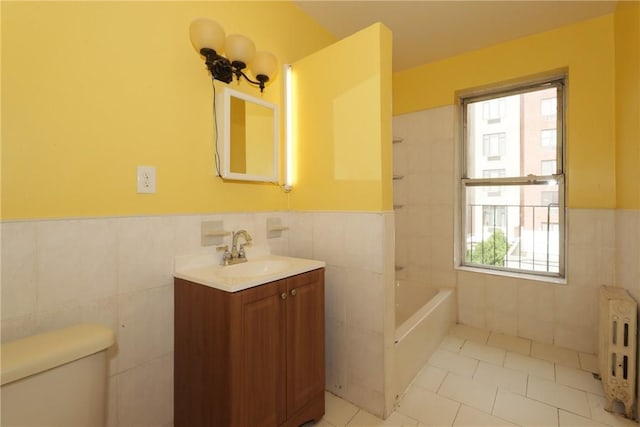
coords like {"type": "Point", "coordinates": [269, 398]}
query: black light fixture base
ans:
{"type": "Point", "coordinates": [222, 69]}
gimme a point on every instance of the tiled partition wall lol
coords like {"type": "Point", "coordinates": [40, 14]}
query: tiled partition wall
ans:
{"type": "Point", "coordinates": [603, 246]}
{"type": "Point", "coordinates": [118, 272]}
{"type": "Point", "coordinates": [423, 196]}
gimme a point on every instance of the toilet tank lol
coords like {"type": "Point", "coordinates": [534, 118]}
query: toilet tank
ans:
{"type": "Point", "coordinates": [57, 378]}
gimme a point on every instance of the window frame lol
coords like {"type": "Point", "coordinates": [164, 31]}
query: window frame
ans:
{"type": "Point", "coordinates": [560, 83]}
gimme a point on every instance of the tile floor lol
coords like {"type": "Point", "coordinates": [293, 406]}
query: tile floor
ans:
{"type": "Point", "coordinates": [479, 378]}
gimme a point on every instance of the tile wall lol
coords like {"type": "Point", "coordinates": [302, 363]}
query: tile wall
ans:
{"type": "Point", "coordinates": [359, 294]}
{"type": "Point", "coordinates": [603, 247]}
{"type": "Point", "coordinates": [118, 272]}
{"type": "Point", "coordinates": [423, 165]}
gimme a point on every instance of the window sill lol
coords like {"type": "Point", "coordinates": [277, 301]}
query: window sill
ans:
{"type": "Point", "coordinates": [524, 276]}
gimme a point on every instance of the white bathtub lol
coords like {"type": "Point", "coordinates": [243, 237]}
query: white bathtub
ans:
{"type": "Point", "coordinates": [423, 318]}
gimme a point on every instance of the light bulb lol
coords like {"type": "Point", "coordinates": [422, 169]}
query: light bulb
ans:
{"type": "Point", "coordinates": [240, 49]}
{"type": "Point", "coordinates": [205, 33]}
{"type": "Point", "coordinates": [264, 64]}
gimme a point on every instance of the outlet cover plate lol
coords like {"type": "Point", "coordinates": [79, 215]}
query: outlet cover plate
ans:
{"type": "Point", "coordinates": [146, 179]}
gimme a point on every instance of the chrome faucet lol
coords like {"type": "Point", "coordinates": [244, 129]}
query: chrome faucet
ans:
{"type": "Point", "coordinates": [237, 254]}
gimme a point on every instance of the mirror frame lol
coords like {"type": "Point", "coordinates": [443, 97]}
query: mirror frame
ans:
{"type": "Point", "coordinates": [223, 116]}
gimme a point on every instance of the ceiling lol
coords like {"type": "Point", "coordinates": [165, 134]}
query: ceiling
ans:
{"type": "Point", "coordinates": [429, 30]}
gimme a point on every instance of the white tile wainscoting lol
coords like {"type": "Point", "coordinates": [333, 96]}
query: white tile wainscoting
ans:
{"type": "Point", "coordinates": [118, 272]}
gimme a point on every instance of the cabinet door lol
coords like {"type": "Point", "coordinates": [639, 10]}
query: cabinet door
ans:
{"type": "Point", "coordinates": [305, 339]}
{"type": "Point", "coordinates": [263, 355]}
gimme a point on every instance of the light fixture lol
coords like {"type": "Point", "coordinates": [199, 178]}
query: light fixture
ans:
{"type": "Point", "coordinates": [288, 95]}
{"type": "Point", "coordinates": [208, 39]}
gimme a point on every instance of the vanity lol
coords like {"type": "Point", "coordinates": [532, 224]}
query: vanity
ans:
{"type": "Point", "coordinates": [249, 342]}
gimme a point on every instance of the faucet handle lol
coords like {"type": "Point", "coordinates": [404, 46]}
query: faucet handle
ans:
{"type": "Point", "coordinates": [241, 252]}
{"type": "Point", "coordinates": [226, 256]}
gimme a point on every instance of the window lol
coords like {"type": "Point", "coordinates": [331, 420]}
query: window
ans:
{"type": "Point", "coordinates": [494, 145]}
{"type": "Point", "coordinates": [548, 198]}
{"type": "Point", "coordinates": [493, 110]}
{"type": "Point", "coordinates": [549, 108]}
{"type": "Point", "coordinates": [548, 138]}
{"type": "Point", "coordinates": [493, 173]}
{"type": "Point", "coordinates": [494, 216]}
{"type": "Point", "coordinates": [548, 167]}
{"type": "Point", "coordinates": [512, 184]}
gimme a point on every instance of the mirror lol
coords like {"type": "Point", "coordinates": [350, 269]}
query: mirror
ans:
{"type": "Point", "coordinates": [247, 136]}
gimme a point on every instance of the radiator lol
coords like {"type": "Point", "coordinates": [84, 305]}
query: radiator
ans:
{"type": "Point", "coordinates": [618, 343]}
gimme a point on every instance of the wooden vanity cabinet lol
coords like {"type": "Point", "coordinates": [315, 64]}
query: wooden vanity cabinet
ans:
{"type": "Point", "coordinates": [250, 358]}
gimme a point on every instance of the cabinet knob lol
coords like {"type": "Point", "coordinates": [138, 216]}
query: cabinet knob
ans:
{"type": "Point", "coordinates": [293, 292]}
{"type": "Point", "coordinates": [283, 295]}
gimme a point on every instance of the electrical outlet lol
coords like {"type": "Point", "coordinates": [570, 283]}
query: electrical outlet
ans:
{"type": "Point", "coordinates": [146, 179]}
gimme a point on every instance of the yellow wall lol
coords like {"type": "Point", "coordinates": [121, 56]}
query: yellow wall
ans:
{"type": "Point", "coordinates": [343, 125]}
{"type": "Point", "coordinates": [93, 89]}
{"type": "Point", "coordinates": [586, 49]}
{"type": "Point", "coordinates": [627, 39]}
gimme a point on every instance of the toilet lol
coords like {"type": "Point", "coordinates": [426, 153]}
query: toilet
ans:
{"type": "Point", "coordinates": [57, 378]}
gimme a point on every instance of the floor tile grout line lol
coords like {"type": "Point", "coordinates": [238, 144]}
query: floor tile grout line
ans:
{"type": "Point", "coordinates": [453, 422]}
{"type": "Point", "coordinates": [352, 417]}
{"type": "Point", "coordinates": [495, 397]}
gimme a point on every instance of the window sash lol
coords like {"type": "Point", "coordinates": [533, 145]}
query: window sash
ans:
{"type": "Point", "coordinates": [558, 177]}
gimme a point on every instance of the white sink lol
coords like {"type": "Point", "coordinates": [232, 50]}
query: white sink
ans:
{"type": "Point", "coordinates": [258, 267]}
{"type": "Point", "coordinates": [206, 270]}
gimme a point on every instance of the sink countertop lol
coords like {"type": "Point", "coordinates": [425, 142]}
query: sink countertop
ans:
{"type": "Point", "coordinates": [205, 269]}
